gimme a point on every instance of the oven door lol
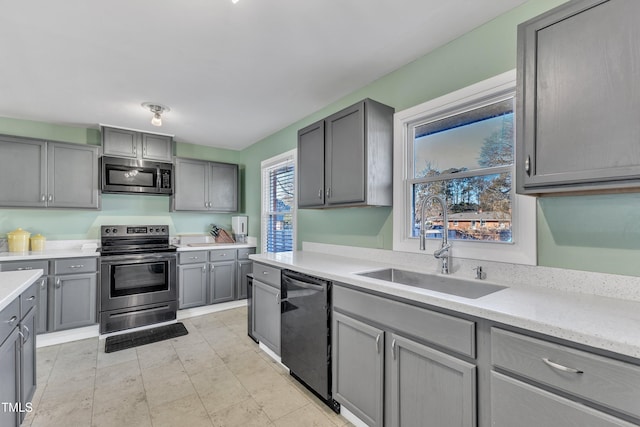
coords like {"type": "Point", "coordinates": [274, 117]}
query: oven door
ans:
{"type": "Point", "coordinates": [134, 280]}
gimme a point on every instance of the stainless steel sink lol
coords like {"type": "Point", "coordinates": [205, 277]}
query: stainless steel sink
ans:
{"type": "Point", "coordinates": [449, 285]}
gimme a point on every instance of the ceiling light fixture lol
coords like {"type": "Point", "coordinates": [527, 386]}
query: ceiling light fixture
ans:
{"type": "Point", "coordinates": [157, 110]}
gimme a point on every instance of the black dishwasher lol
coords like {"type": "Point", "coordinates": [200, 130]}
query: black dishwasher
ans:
{"type": "Point", "coordinates": [306, 332]}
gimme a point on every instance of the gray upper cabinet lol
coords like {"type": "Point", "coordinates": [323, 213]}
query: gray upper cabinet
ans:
{"type": "Point", "coordinates": [205, 186]}
{"type": "Point", "coordinates": [137, 145]}
{"type": "Point", "coordinates": [578, 106]}
{"type": "Point", "coordinates": [37, 173]}
{"type": "Point", "coordinates": [346, 159]}
{"type": "Point", "coordinates": [73, 176]}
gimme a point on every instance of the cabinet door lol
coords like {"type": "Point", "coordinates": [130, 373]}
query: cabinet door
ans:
{"type": "Point", "coordinates": [578, 125]}
{"type": "Point", "coordinates": [74, 301]}
{"type": "Point", "coordinates": [73, 176]}
{"type": "Point", "coordinates": [28, 358]}
{"type": "Point", "coordinates": [43, 311]}
{"type": "Point", "coordinates": [192, 285]}
{"type": "Point", "coordinates": [10, 379]}
{"type": "Point", "coordinates": [345, 156]}
{"type": "Point", "coordinates": [157, 147]}
{"type": "Point", "coordinates": [222, 281]}
{"type": "Point", "coordinates": [23, 172]}
{"type": "Point", "coordinates": [223, 187]}
{"type": "Point", "coordinates": [430, 388]}
{"type": "Point", "coordinates": [266, 315]}
{"type": "Point", "coordinates": [358, 367]}
{"type": "Point", "coordinates": [120, 142]}
{"type": "Point", "coordinates": [242, 269]}
{"type": "Point", "coordinates": [514, 403]}
{"type": "Point", "coordinates": [191, 192]}
{"type": "Point", "coordinates": [311, 165]}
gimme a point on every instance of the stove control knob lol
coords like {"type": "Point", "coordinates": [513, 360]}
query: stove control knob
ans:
{"type": "Point", "coordinates": [106, 230]}
{"type": "Point", "coordinates": [115, 230]}
{"type": "Point", "coordinates": [157, 230]}
{"type": "Point", "coordinates": [163, 230]}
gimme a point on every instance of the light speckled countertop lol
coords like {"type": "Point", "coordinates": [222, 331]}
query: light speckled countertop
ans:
{"type": "Point", "coordinates": [13, 283]}
{"type": "Point", "coordinates": [594, 320]}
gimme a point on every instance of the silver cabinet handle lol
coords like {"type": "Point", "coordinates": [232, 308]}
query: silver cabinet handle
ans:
{"type": "Point", "coordinates": [393, 349]}
{"type": "Point", "coordinates": [12, 320]}
{"type": "Point", "coordinates": [193, 257]}
{"type": "Point", "coordinates": [76, 266]}
{"type": "Point", "coordinates": [24, 268]}
{"type": "Point", "coordinates": [527, 165]}
{"type": "Point", "coordinates": [212, 267]}
{"type": "Point", "coordinates": [328, 192]}
{"type": "Point", "coordinates": [31, 298]}
{"type": "Point", "coordinates": [560, 367]}
{"type": "Point", "coordinates": [277, 297]}
{"type": "Point", "coordinates": [50, 198]}
{"type": "Point", "coordinates": [43, 198]}
{"type": "Point", "coordinates": [25, 339]}
{"type": "Point", "coordinates": [223, 254]}
{"type": "Point", "coordinates": [320, 193]}
{"type": "Point", "coordinates": [58, 283]}
{"type": "Point", "coordinates": [378, 343]}
{"type": "Point", "coordinates": [204, 268]}
{"type": "Point", "coordinates": [265, 273]}
{"type": "Point", "coordinates": [43, 284]}
{"type": "Point", "coordinates": [134, 148]}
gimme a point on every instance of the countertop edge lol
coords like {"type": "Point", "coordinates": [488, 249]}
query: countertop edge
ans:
{"type": "Point", "coordinates": [597, 330]}
{"type": "Point", "coordinates": [13, 283]}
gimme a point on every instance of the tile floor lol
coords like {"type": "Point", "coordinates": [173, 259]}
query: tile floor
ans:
{"type": "Point", "coordinates": [214, 376]}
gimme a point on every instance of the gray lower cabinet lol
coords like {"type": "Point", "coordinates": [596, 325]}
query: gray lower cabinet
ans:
{"type": "Point", "coordinates": [37, 173]}
{"type": "Point", "coordinates": [43, 287]}
{"type": "Point", "coordinates": [515, 403]}
{"type": "Point", "coordinates": [222, 279]}
{"type": "Point", "coordinates": [137, 145]}
{"type": "Point", "coordinates": [536, 382]}
{"type": "Point", "coordinates": [192, 288]}
{"type": "Point", "coordinates": [266, 314]}
{"type": "Point", "coordinates": [358, 368]}
{"type": "Point", "coordinates": [205, 186]}
{"type": "Point", "coordinates": [18, 357]}
{"type": "Point", "coordinates": [346, 159]}
{"type": "Point", "coordinates": [389, 367]}
{"type": "Point", "coordinates": [577, 122]}
{"type": "Point", "coordinates": [74, 300]}
{"type": "Point", "coordinates": [429, 387]}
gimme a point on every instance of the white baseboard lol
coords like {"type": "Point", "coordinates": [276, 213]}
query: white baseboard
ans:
{"type": "Point", "coordinates": [54, 338]}
{"type": "Point", "coordinates": [349, 416]}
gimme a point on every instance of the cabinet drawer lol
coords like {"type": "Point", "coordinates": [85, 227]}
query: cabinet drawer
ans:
{"type": "Point", "coordinates": [266, 274]}
{"type": "Point", "coordinates": [222, 255]}
{"type": "Point", "coordinates": [245, 252]}
{"type": "Point", "coordinates": [9, 319]}
{"type": "Point", "coordinates": [600, 379]}
{"type": "Point", "coordinates": [192, 257]}
{"type": "Point", "coordinates": [26, 265]}
{"type": "Point", "coordinates": [443, 330]}
{"type": "Point", "coordinates": [75, 265]}
{"type": "Point", "coordinates": [29, 298]}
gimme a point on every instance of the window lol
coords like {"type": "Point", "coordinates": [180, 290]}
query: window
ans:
{"type": "Point", "coordinates": [461, 147]}
{"type": "Point", "coordinates": [278, 203]}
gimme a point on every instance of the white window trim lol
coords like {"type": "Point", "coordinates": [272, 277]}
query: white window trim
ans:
{"type": "Point", "coordinates": [288, 155]}
{"type": "Point", "coordinates": [523, 250]}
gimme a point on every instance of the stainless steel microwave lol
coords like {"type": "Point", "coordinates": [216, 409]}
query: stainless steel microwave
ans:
{"type": "Point", "coordinates": [121, 175]}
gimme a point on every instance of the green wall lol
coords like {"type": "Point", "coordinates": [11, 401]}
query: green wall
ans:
{"type": "Point", "coordinates": [482, 53]}
{"type": "Point", "coordinates": [67, 224]}
{"type": "Point", "coordinates": [593, 233]}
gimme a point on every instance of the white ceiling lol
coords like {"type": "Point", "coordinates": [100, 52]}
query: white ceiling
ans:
{"type": "Point", "coordinates": [232, 74]}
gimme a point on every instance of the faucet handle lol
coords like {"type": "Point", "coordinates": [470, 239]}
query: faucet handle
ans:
{"type": "Point", "coordinates": [480, 275]}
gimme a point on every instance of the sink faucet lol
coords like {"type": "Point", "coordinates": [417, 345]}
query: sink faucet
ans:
{"type": "Point", "coordinates": [444, 253]}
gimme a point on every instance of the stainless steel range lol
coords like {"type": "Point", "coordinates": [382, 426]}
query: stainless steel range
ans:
{"type": "Point", "coordinates": [137, 276]}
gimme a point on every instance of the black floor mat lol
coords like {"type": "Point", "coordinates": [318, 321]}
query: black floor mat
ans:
{"type": "Point", "coordinates": [147, 336]}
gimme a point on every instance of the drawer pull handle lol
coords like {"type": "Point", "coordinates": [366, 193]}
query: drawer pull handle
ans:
{"type": "Point", "coordinates": [24, 268]}
{"type": "Point", "coordinates": [265, 273]}
{"type": "Point", "coordinates": [31, 298]}
{"type": "Point", "coordinates": [378, 343]}
{"type": "Point", "coordinates": [393, 349]}
{"type": "Point", "coordinates": [76, 266]}
{"type": "Point", "coordinates": [560, 367]}
{"type": "Point", "coordinates": [12, 320]}
{"type": "Point", "coordinates": [193, 257]}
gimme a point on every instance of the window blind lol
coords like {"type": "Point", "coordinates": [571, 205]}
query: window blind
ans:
{"type": "Point", "coordinates": [278, 204]}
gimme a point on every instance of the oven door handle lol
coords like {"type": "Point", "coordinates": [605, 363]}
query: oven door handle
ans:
{"type": "Point", "coordinates": [113, 259]}
{"type": "Point", "coordinates": [304, 285]}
